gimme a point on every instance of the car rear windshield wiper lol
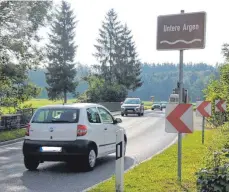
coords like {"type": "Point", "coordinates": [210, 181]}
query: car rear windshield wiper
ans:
{"type": "Point", "coordinates": [61, 121]}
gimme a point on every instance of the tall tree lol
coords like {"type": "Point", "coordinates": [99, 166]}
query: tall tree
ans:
{"type": "Point", "coordinates": [19, 25]}
{"type": "Point", "coordinates": [116, 53]}
{"type": "Point", "coordinates": [106, 53]}
{"type": "Point", "coordinates": [129, 67]}
{"type": "Point", "coordinates": [61, 70]}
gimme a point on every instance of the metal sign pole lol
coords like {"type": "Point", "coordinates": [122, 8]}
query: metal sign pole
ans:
{"type": "Point", "coordinates": [203, 127]}
{"type": "Point", "coordinates": [119, 163]}
{"type": "Point", "coordinates": [180, 101]}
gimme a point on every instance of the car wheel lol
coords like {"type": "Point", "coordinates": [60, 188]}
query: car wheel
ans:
{"type": "Point", "coordinates": [139, 114]}
{"type": "Point", "coordinates": [122, 114]}
{"type": "Point", "coordinates": [31, 163]}
{"type": "Point", "coordinates": [90, 159]}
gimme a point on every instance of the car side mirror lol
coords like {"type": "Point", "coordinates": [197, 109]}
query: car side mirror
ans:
{"type": "Point", "coordinates": [142, 103]}
{"type": "Point", "coordinates": [117, 120]}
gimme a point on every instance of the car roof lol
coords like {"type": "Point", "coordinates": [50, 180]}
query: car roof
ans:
{"type": "Point", "coordinates": [72, 105]}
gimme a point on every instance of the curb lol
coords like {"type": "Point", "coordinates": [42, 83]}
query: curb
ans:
{"type": "Point", "coordinates": [134, 165]}
{"type": "Point", "coordinates": [11, 141]}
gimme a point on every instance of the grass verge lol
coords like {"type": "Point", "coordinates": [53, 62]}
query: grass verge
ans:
{"type": "Point", "coordinates": [41, 102]}
{"type": "Point", "coordinates": [148, 103]}
{"type": "Point", "coordinates": [147, 107]}
{"type": "Point", "coordinates": [35, 103]}
{"type": "Point", "coordinates": [12, 134]}
{"type": "Point", "coordinates": [160, 173]}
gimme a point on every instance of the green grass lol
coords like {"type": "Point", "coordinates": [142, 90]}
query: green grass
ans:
{"type": "Point", "coordinates": [12, 134]}
{"type": "Point", "coordinates": [41, 102]}
{"type": "Point", "coordinates": [148, 103]}
{"type": "Point", "coordinates": [147, 107]}
{"type": "Point", "coordinates": [160, 173]}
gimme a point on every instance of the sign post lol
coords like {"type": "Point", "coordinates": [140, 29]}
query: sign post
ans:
{"type": "Point", "coordinates": [180, 32]}
{"type": "Point", "coordinates": [180, 101]}
{"type": "Point", "coordinates": [203, 109]}
{"type": "Point", "coordinates": [119, 163]}
{"type": "Point", "coordinates": [203, 129]}
{"type": "Point", "coordinates": [221, 106]}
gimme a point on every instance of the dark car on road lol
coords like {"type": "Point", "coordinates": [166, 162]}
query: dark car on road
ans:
{"type": "Point", "coordinates": [157, 106]}
{"type": "Point", "coordinates": [132, 106]}
{"type": "Point", "coordinates": [163, 105]}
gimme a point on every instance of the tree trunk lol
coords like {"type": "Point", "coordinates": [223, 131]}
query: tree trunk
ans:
{"type": "Point", "coordinates": [65, 96]}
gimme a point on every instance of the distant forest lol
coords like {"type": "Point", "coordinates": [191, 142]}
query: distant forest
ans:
{"type": "Point", "coordinates": [159, 80]}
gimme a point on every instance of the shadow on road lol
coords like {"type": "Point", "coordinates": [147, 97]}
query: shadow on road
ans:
{"type": "Point", "coordinates": [57, 177]}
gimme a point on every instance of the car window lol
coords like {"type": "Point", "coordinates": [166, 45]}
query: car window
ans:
{"type": "Point", "coordinates": [132, 101]}
{"type": "Point", "coordinates": [105, 116]}
{"type": "Point", "coordinates": [58, 115]}
{"type": "Point", "coordinates": [93, 115]}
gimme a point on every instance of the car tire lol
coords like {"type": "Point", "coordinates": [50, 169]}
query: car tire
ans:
{"type": "Point", "coordinates": [90, 159]}
{"type": "Point", "coordinates": [142, 113]}
{"type": "Point", "coordinates": [139, 114]}
{"type": "Point", "coordinates": [122, 114]}
{"type": "Point", "coordinates": [31, 163]}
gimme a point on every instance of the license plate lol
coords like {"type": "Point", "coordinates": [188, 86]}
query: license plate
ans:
{"type": "Point", "coordinates": [50, 149]}
{"type": "Point", "coordinates": [129, 110]}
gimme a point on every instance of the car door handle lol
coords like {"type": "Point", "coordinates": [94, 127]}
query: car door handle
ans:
{"type": "Point", "coordinates": [105, 129]}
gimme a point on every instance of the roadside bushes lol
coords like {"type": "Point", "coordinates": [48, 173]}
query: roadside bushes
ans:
{"type": "Point", "coordinates": [215, 175]}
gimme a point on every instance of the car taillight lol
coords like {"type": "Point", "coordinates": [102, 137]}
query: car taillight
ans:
{"type": "Point", "coordinates": [27, 129]}
{"type": "Point", "coordinates": [81, 130]}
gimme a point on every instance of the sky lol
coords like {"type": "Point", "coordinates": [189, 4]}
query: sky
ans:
{"type": "Point", "coordinates": [141, 18]}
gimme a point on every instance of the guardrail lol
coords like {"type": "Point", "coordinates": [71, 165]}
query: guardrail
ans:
{"type": "Point", "coordinates": [112, 106]}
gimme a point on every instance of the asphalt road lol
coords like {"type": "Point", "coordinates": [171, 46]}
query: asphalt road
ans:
{"type": "Point", "coordinates": [146, 137]}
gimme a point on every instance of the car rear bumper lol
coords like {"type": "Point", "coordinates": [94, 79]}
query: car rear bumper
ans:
{"type": "Point", "coordinates": [69, 150]}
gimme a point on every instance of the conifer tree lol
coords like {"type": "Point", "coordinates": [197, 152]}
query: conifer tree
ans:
{"type": "Point", "coordinates": [61, 70]}
{"type": "Point", "coordinates": [116, 54]}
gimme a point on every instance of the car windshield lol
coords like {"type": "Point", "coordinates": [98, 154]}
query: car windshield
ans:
{"type": "Point", "coordinates": [56, 115]}
{"type": "Point", "coordinates": [132, 101]}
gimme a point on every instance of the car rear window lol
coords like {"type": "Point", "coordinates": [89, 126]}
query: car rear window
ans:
{"type": "Point", "coordinates": [56, 115]}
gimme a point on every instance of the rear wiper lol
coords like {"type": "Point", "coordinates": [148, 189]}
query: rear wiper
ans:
{"type": "Point", "coordinates": [60, 121]}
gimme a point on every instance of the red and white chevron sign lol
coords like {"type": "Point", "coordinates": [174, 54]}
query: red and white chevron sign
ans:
{"type": "Point", "coordinates": [179, 118]}
{"type": "Point", "coordinates": [220, 105]}
{"type": "Point", "coordinates": [203, 108]}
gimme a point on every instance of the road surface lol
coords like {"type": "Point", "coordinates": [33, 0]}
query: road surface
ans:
{"type": "Point", "coordinates": [146, 136]}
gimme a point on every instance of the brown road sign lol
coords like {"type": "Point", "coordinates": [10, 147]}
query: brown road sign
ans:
{"type": "Point", "coordinates": [181, 31]}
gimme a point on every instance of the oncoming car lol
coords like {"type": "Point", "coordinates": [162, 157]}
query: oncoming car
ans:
{"type": "Point", "coordinates": [132, 106]}
{"type": "Point", "coordinates": [74, 133]}
{"type": "Point", "coordinates": [157, 106]}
